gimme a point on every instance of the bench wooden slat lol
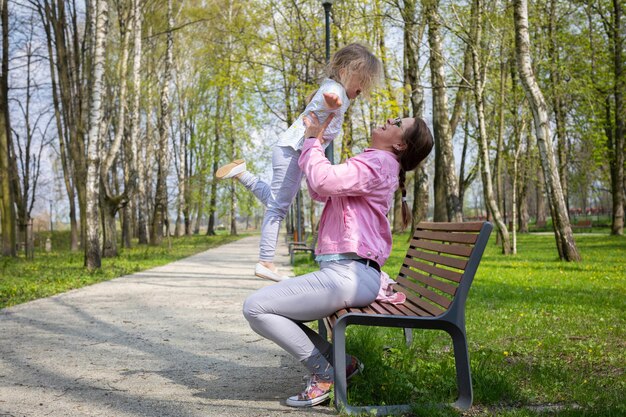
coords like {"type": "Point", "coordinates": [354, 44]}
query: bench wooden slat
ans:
{"type": "Point", "coordinates": [377, 308]}
{"type": "Point", "coordinates": [451, 227]}
{"type": "Point", "coordinates": [420, 296]}
{"type": "Point", "coordinates": [468, 238]}
{"type": "Point", "coordinates": [424, 292]}
{"type": "Point", "coordinates": [458, 263]}
{"type": "Point", "coordinates": [440, 285]}
{"type": "Point", "coordinates": [433, 270]}
{"type": "Point", "coordinates": [414, 309]}
{"type": "Point", "coordinates": [428, 308]}
{"type": "Point", "coordinates": [459, 250]}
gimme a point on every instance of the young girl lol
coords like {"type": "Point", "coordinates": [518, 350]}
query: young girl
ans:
{"type": "Point", "coordinates": [352, 70]}
{"type": "Point", "coordinates": [354, 243]}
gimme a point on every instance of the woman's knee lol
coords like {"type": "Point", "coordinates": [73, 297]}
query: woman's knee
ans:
{"type": "Point", "coordinates": [250, 308]}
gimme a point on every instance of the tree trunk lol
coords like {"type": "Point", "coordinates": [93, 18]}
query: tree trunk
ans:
{"type": "Point", "coordinates": [62, 134]}
{"type": "Point", "coordinates": [498, 164]}
{"type": "Point", "coordinates": [7, 208]}
{"type": "Point", "coordinates": [92, 246]}
{"type": "Point", "coordinates": [72, 68]}
{"type": "Point", "coordinates": [565, 243]}
{"type": "Point", "coordinates": [617, 154]}
{"type": "Point", "coordinates": [557, 100]}
{"type": "Point", "coordinates": [142, 210]}
{"type": "Point", "coordinates": [182, 219]}
{"type": "Point", "coordinates": [483, 144]}
{"type": "Point", "coordinates": [541, 196]}
{"type": "Point", "coordinates": [447, 204]}
{"type": "Point", "coordinates": [113, 202]}
{"type": "Point", "coordinates": [109, 209]}
{"type": "Point", "coordinates": [216, 158]}
{"type": "Point", "coordinates": [466, 181]}
{"type": "Point", "coordinates": [160, 218]}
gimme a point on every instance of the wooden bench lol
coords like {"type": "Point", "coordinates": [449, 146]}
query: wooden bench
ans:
{"type": "Point", "coordinates": [436, 276]}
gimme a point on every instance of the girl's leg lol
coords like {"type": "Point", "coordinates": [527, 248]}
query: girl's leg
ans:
{"type": "Point", "coordinates": [260, 189]}
{"type": "Point", "coordinates": [277, 312]}
{"type": "Point", "coordinates": [286, 178]}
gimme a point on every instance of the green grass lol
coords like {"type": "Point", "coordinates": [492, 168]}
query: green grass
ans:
{"type": "Point", "coordinates": [22, 280]}
{"type": "Point", "coordinates": [546, 338]}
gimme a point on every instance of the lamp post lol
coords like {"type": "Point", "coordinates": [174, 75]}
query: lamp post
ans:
{"type": "Point", "coordinates": [328, 4]}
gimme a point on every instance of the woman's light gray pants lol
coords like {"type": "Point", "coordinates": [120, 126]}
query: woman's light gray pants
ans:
{"type": "Point", "coordinates": [277, 197]}
{"type": "Point", "coordinates": [277, 312]}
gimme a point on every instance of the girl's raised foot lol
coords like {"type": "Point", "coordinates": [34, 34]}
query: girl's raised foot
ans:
{"type": "Point", "coordinates": [231, 169]}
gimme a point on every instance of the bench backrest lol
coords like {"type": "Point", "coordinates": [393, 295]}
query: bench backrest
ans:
{"type": "Point", "coordinates": [440, 265]}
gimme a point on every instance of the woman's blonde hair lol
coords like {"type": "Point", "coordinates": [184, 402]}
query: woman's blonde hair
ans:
{"type": "Point", "coordinates": [355, 59]}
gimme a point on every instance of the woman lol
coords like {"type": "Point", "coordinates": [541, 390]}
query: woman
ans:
{"type": "Point", "coordinates": [354, 241]}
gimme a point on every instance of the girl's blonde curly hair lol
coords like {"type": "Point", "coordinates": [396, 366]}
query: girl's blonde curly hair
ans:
{"type": "Point", "coordinates": [355, 59]}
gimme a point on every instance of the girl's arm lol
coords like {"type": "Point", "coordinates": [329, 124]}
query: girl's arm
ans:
{"type": "Point", "coordinates": [332, 101]}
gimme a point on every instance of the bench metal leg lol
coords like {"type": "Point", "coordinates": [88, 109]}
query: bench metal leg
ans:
{"type": "Point", "coordinates": [461, 360]}
{"type": "Point", "coordinates": [341, 384]}
{"type": "Point", "coordinates": [463, 372]}
{"type": "Point", "coordinates": [408, 336]}
{"type": "Point", "coordinates": [339, 356]}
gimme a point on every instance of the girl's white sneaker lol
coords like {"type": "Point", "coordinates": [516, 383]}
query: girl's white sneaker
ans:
{"type": "Point", "coordinates": [266, 273]}
{"type": "Point", "coordinates": [231, 169]}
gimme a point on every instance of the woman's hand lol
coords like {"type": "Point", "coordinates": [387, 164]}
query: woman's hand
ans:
{"type": "Point", "coordinates": [313, 127]}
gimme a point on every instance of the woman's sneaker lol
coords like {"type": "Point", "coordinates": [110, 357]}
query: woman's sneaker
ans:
{"type": "Point", "coordinates": [353, 368]}
{"type": "Point", "coordinates": [316, 392]}
{"type": "Point", "coordinates": [230, 170]}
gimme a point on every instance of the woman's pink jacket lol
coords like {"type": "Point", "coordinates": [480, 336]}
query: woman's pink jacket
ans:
{"type": "Point", "coordinates": [358, 195]}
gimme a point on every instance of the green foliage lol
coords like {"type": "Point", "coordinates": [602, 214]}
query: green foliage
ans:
{"type": "Point", "coordinates": [545, 337]}
{"type": "Point", "coordinates": [61, 270]}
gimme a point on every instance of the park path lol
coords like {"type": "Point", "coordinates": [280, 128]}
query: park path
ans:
{"type": "Point", "coordinates": [170, 341]}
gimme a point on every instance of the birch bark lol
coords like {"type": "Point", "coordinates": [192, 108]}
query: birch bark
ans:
{"type": "Point", "coordinates": [160, 218]}
{"type": "Point", "coordinates": [92, 221]}
{"type": "Point", "coordinates": [562, 229]}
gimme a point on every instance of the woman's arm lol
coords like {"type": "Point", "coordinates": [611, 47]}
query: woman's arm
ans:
{"type": "Point", "coordinates": [354, 177]}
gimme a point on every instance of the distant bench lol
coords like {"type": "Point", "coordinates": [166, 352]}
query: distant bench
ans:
{"type": "Point", "coordinates": [582, 224]}
{"type": "Point", "coordinates": [435, 276]}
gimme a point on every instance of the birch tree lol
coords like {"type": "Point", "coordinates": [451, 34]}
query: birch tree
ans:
{"type": "Point", "coordinates": [479, 72]}
{"type": "Point", "coordinates": [160, 217]}
{"type": "Point", "coordinates": [92, 221]}
{"type": "Point", "coordinates": [562, 229]}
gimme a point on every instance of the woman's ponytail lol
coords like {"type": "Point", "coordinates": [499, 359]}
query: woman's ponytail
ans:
{"type": "Point", "coordinates": [406, 212]}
